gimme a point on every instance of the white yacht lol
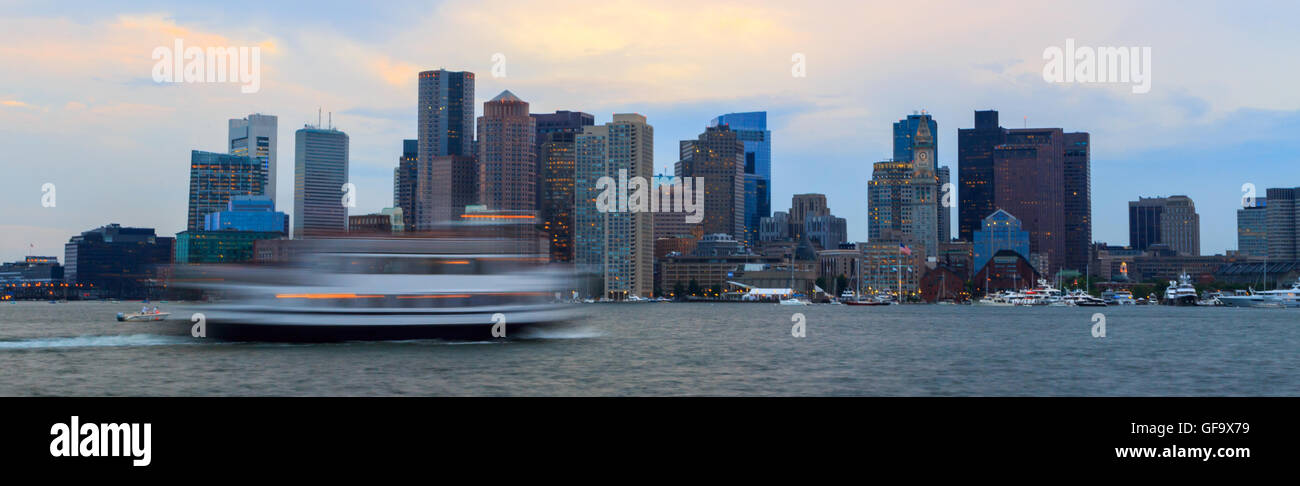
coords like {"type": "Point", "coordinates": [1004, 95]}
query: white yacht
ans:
{"type": "Point", "coordinates": [1180, 292]}
{"type": "Point", "coordinates": [1043, 294]}
{"type": "Point", "coordinates": [1264, 298]}
{"type": "Point", "coordinates": [1080, 298]}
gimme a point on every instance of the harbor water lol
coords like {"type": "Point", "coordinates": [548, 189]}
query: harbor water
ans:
{"type": "Point", "coordinates": [78, 349]}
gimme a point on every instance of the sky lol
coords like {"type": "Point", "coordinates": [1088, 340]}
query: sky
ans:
{"type": "Point", "coordinates": [79, 107]}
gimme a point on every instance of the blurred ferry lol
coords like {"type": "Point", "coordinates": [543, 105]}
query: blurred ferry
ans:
{"type": "Point", "coordinates": [348, 289]}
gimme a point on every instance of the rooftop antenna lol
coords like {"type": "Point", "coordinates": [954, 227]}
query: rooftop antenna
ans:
{"type": "Point", "coordinates": [1026, 122]}
{"type": "Point", "coordinates": [317, 117]}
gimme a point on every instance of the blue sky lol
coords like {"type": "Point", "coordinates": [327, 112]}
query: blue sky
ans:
{"type": "Point", "coordinates": [78, 107]}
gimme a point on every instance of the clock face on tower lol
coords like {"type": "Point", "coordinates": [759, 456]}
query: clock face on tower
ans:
{"type": "Point", "coordinates": [923, 156]}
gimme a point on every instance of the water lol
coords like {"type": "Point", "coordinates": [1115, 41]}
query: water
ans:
{"type": "Point", "coordinates": [687, 349]}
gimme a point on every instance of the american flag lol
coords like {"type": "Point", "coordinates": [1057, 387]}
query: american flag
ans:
{"type": "Point", "coordinates": [904, 249]}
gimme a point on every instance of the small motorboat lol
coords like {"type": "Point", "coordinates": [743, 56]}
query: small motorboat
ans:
{"type": "Point", "coordinates": [142, 316]}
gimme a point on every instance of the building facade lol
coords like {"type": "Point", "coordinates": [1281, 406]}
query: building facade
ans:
{"type": "Point", "coordinates": [751, 128]}
{"type": "Point", "coordinates": [116, 261]}
{"type": "Point", "coordinates": [215, 178]}
{"type": "Point", "coordinates": [248, 213]}
{"type": "Point", "coordinates": [255, 136]}
{"type": "Point", "coordinates": [718, 157]}
{"type": "Point", "coordinates": [616, 246]}
{"type": "Point", "coordinates": [1000, 231]}
{"type": "Point", "coordinates": [320, 173]}
{"type": "Point", "coordinates": [405, 177]}
{"type": "Point", "coordinates": [1283, 224]}
{"type": "Point", "coordinates": [507, 162]}
{"type": "Point", "coordinates": [1252, 229]}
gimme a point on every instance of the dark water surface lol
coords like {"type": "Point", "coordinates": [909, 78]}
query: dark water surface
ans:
{"type": "Point", "coordinates": [687, 349]}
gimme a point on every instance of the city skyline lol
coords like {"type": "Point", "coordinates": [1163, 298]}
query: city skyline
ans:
{"type": "Point", "coordinates": [1178, 139]}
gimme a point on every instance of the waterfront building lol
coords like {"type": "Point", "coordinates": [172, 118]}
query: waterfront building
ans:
{"type": "Point", "coordinates": [1001, 231]}
{"type": "Point", "coordinates": [117, 261]}
{"type": "Point", "coordinates": [33, 269]}
{"type": "Point", "coordinates": [1006, 270]}
{"type": "Point", "coordinates": [615, 246]}
{"type": "Point", "coordinates": [255, 136]}
{"type": "Point", "coordinates": [507, 163]}
{"type": "Point", "coordinates": [320, 172]}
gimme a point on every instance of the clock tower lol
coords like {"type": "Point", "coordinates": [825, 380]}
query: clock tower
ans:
{"type": "Point", "coordinates": [923, 149]}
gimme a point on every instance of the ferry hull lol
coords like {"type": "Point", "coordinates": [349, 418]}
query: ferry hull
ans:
{"type": "Point", "coordinates": [291, 333]}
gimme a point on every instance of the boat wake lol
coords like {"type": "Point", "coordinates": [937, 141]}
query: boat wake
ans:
{"type": "Point", "coordinates": [96, 341]}
{"type": "Point", "coordinates": [560, 333]}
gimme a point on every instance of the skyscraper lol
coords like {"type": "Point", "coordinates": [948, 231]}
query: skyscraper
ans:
{"type": "Point", "coordinates": [255, 136]}
{"type": "Point", "coordinates": [1252, 229]}
{"type": "Point", "coordinates": [1171, 221]}
{"type": "Point", "coordinates": [718, 157]}
{"type": "Point", "coordinates": [507, 164]}
{"type": "Point", "coordinates": [320, 171]}
{"type": "Point", "coordinates": [945, 212]}
{"type": "Point", "coordinates": [557, 158]}
{"type": "Point", "coordinates": [446, 129]}
{"type": "Point", "coordinates": [1283, 224]}
{"type": "Point", "coordinates": [562, 121]}
{"type": "Point", "coordinates": [1029, 181]}
{"type": "Point", "coordinates": [446, 113]}
{"type": "Point", "coordinates": [975, 172]}
{"type": "Point", "coordinates": [905, 131]}
{"type": "Point", "coordinates": [215, 178]}
{"type": "Point", "coordinates": [405, 177]}
{"type": "Point", "coordinates": [902, 196]}
{"type": "Point", "coordinates": [1180, 226]}
{"type": "Point", "coordinates": [751, 128]}
{"type": "Point", "coordinates": [1078, 200]}
{"type": "Point", "coordinates": [454, 184]}
{"type": "Point", "coordinates": [617, 246]}
{"type": "Point", "coordinates": [1144, 222]}
{"type": "Point", "coordinates": [1041, 175]}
